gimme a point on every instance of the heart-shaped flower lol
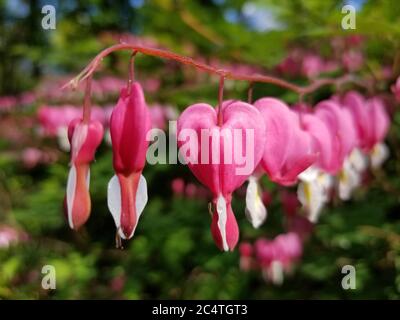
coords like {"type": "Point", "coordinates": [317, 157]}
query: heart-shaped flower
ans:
{"type": "Point", "coordinates": [340, 124]}
{"type": "Point", "coordinates": [222, 155]}
{"type": "Point", "coordinates": [289, 150]}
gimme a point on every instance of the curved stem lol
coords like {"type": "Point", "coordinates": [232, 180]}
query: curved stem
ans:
{"type": "Point", "coordinates": [91, 67]}
{"type": "Point", "coordinates": [131, 77]}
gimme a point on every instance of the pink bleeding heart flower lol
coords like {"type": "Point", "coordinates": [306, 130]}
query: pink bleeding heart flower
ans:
{"type": "Point", "coordinates": [352, 60]}
{"type": "Point", "coordinates": [349, 161]}
{"type": "Point", "coordinates": [127, 190]}
{"type": "Point", "coordinates": [84, 139]}
{"type": "Point", "coordinates": [357, 105]}
{"type": "Point", "coordinates": [222, 156]}
{"type": "Point", "coordinates": [312, 65]}
{"type": "Point", "coordinates": [289, 150]}
{"type": "Point", "coordinates": [370, 118]}
{"type": "Point", "coordinates": [316, 182]}
{"type": "Point", "coordinates": [278, 256]}
{"type": "Point", "coordinates": [379, 122]}
{"type": "Point", "coordinates": [323, 142]}
{"type": "Point", "coordinates": [340, 124]}
{"type": "Point", "coordinates": [246, 256]}
{"type": "Point", "coordinates": [290, 248]}
{"type": "Point", "coordinates": [10, 236]}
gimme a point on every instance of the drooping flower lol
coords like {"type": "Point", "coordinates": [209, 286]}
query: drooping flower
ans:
{"type": "Point", "coordinates": [10, 236]}
{"type": "Point", "coordinates": [352, 60]}
{"type": "Point", "coordinates": [289, 150]}
{"type": "Point", "coordinates": [372, 123]}
{"type": "Point", "coordinates": [84, 139]}
{"type": "Point", "coordinates": [312, 65]}
{"type": "Point", "coordinates": [340, 122]}
{"type": "Point", "coordinates": [380, 122]}
{"type": "Point", "coordinates": [246, 256]}
{"type": "Point", "coordinates": [31, 157]}
{"type": "Point", "coordinates": [216, 155]}
{"type": "Point", "coordinates": [277, 257]}
{"type": "Point", "coordinates": [316, 182]}
{"type": "Point", "coordinates": [127, 190]}
{"type": "Point", "coordinates": [54, 121]}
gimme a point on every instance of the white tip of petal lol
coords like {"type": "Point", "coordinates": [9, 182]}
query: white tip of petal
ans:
{"type": "Point", "coordinates": [114, 201]}
{"type": "Point", "coordinates": [379, 154]}
{"type": "Point", "coordinates": [277, 273]}
{"type": "Point", "coordinates": [222, 218]}
{"type": "Point", "coordinates": [78, 139]}
{"type": "Point", "coordinates": [71, 186]}
{"type": "Point", "coordinates": [255, 211]}
{"type": "Point", "coordinates": [309, 174]}
{"type": "Point", "coordinates": [62, 138]}
{"type": "Point", "coordinates": [107, 137]}
{"type": "Point", "coordinates": [349, 178]}
{"type": "Point", "coordinates": [88, 179]}
{"type": "Point", "coordinates": [358, 160]}
{"type": "Point", "coordinates": [312, 197]}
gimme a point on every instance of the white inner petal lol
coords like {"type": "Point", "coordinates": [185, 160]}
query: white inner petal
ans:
{"type": "Point", "coordinates": [312, 196]}
{"type": "Point", "coordinates": [276, 272]}
{"type": "Point", "coordinates": [310, 174]}
{"type": "Point", "coordinates": [114, 201]}
{"type": "Point", "coordinates": [255, 211]}
{"type": "Point", "coordinates": [62, 138]}
{"type": "Point", "coordinates": [222, 217]}
{"type": "Point", "coordinates": [88, 179]}
{"type": "Point", "coordinates": [71, 186]}
{"type": "Point", "coordinates": [358, 160]}
{"type": "Point", "coordinates": [107, 137]}
{"type": "Point", "coordinates": [78, 138]}
{"type": "Point", "coordinates": [349, 179]}
{"type": "Point", "coordinates": [379, 154]}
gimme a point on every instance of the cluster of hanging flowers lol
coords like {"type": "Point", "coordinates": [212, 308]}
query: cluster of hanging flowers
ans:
{"type": "Point", "coordinates": [325, 150]}
{"type": "Point", "coordinates": [127, 190]}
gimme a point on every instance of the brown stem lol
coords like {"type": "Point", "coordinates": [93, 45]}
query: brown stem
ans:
{"type": "Point", "coordinates": [250, 93]}
{"type": "Point", "coordinates": [131, 78]}
{"type": "Point", "coordinates": [87, 102]}
{"type": "Point", "coordinates": [118, 241]}
{"type": "Point", "coordinates": [91, 67]}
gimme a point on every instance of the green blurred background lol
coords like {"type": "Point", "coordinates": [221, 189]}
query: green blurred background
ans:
{"type": "Point", "coordinates": [172, 254]}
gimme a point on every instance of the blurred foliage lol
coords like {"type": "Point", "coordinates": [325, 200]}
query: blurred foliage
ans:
{"type": "Point", "coordinates": [172, 254]}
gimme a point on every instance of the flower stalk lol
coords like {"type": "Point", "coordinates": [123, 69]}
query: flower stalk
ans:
{"type": "Point", "coordinates": [226, 74]}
